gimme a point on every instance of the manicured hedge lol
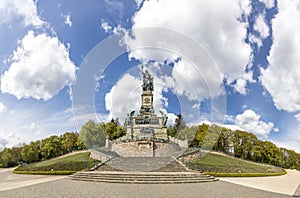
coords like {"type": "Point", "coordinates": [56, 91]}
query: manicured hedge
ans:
{"type": "Point", "coordinates": [45, 172]}
{"type": "Point", "coordinates": [244, 174]}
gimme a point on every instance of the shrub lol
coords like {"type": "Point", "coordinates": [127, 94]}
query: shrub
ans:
{"type": "Point", "coordinates": [244, 174]}
{"type": "Point", "coordinates": [45, 172]}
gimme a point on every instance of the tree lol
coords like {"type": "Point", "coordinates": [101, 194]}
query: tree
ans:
{"type": "Point", "coordinates": [51, 147]}
{"type": "Point", "coordinates": [243, 141]}
{"type": "Point", "coordinates": [171, 131]}
{"type": "Point", "coordinates": [69, 141]}
{"type": "Point", "coordinates": [224, 141]}
{"type": "Point", "coordinates": [79, 144]}
{"type": "Point", "coordinates": [30, 153]}
{"type": "Point", "coordinates": [91, 134]}
{"type": "Point", "coordinates": [112, 130]}
{"type": "Point", "coordinates": [179, 123]}
{"type": "Point", "coordinates": [7, 157]}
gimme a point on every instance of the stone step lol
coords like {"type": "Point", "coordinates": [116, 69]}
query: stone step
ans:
{"type": "Point", "coordinates": [142, 177]}
{"type": "Point", "coordinates": [140, 164]}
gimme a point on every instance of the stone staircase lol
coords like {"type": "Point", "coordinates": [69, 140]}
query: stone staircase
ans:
{"type": "Point", "coordinates": [144, 164]}
{"type": "Point", "coordinates": [142, 177]}
{"type": "Point", "coordinates": [142, 170]}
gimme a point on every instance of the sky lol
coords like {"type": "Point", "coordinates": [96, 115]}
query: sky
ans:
{"type": "Point", "coordinates": [235, 63]}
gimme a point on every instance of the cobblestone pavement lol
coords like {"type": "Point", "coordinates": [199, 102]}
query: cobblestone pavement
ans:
{"type": "Point", "coordinates": [69, 188]}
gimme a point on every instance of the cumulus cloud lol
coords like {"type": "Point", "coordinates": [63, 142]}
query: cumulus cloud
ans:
{"type": "Point", "coordinates": [255, 39]}
{"type": "Point", "coordinates": [13, 9]}
{"type": "Point", "coordinates": [40, 68]}
{"type": "Point", "coordinates": [188, 80]}
{"type": "Point", "coordinates": [281, 77]}
{"type": "Point", "coordinates": [297, 116]}
{"type": "Point", "coordinates": [268, 3]}
{"type": "Point", "coordinates": [3, 108]}
{"type": "Point", "coordinates": [124, 97]}
{"type": "Point", "coordinates": [261, 27]}
{"type": "Point", "coordinates": [9, 140]}
{"type": "Point", "coordinates": [105, 26]}
{"type": "Point", "coordinates": [68, 21]}
{"type": "Point", "coordinates": [241, 83]}
{"type": "Point", "coordinates": [251, 122]}
{"type": "Point", "coordinates": [222, 40]}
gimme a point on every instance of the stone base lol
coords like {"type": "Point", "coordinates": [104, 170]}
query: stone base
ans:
{"type": "Point", "coordinates": [145, 149]}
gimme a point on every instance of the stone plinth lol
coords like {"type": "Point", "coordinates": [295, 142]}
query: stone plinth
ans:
{"type": "Point", "coordinates": [145, 149]}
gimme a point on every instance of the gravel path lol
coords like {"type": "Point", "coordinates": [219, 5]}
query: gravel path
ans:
{"type": "Point", "coordinates": [69, 188]}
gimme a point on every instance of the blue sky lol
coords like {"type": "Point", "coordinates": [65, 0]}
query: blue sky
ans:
{"type": "Point", "coordinates": [232, 63]}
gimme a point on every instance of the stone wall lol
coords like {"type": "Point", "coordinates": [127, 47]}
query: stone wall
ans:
{"type": "Point", "coordinates": [99, 155]}
{"type": "Point", "coordinates": [145, 149]}
{"type": "Point", "coordinates": [181, 143]}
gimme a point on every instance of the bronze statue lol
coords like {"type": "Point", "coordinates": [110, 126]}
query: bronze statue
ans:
{"type": "Point", "coordinates": [147, 81]}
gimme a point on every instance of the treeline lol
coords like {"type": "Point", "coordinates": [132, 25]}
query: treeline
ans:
{"type": "Point", "coordinates": [91, 135]}
{"type": "Point", "coordinates": [39, 150]}
{"type": "Point", "coordinates": [240, 144]}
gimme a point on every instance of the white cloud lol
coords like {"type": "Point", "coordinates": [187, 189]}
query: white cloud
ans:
{"type": "Point", "coordinates": [261, 27]}
{"type": "Point", "coordinates": [251, 122]}
{"type": "Point", "coordinates": [240, 86]}
{"type": "Point", "coordinates": [139, 2]}
{"type": "Point", "coordinates": [222, 40]}
{"type": "Point", "coordinates": [241, 83]}
{"type": "Point", "coordinates": [9, 139]}
{"type": "Point", "coordinates": [40, 68]}
{"type": "Point", "coordinates": [105, 26]}
{"type": "Point", "coordinates": [281, 78]}
{"type": "Point", "coordinates": [268, 3]}
{"type": "Point", "coordinates": [13, 9]}
{"type": "Point", "coordinates": [3, 108]}
{"type": "Point", "coordinates": [289, 143]}
{"type": "Point", "coordinates": [124, 97]}
{"type": "Point", "coordinates": [254, 39]}
{"type": "Point", "coordinates": [297, 116]}
{"type": "Point", "coordinates": [189, 81]}
{"type": "Point", "coordinates": [68, 21]}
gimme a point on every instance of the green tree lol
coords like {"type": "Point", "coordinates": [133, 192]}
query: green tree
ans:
{"type": "Point", "coordinates": [187, 133]}
{"type": "Point", "coordinates": [79, 144]}
{"type": "Point", "coordinates": [30, 153]}
{"type": "Point", "coordinates": [179, 123]}
{"type": "Point", "coordinates": [69, 141]}
{"type": "Point", "coordinates": [7, 157]}
{"type": "Point", "coordinates": [243, 142]}
{"type": "Point", "coordinates": [112, 130]}
{"type": "Point", "coordinates": [171, 131]}
{"type": "Point", "coordinates": [51, 147]}
{"type": "Point", "coordinates": [91, 134]}
{"type": "Point", "coordinates": [224, 141]}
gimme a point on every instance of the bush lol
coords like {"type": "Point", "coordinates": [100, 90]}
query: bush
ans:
{"type": "Point", "coordinates": [244, 174]}
{"type": "Point", "coordinates": [45, 172]}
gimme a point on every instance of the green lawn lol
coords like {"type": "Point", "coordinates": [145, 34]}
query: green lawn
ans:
{"type": "Point", "coordinates": [226, 164]}
{"type": "Point", "coordinates": [76, 162]}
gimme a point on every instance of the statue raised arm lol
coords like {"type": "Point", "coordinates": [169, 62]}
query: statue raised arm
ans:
{"type": "Point", "coordinates": [147, 81]}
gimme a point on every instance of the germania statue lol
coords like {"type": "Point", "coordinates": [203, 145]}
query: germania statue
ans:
{"type": "Point", "coordinates": [147, 81]}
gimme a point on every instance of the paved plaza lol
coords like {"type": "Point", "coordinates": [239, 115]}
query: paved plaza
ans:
{"type": "Point", "coordinates": [12, 185]}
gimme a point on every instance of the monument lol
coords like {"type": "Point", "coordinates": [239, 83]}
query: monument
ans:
{"type": "Point", "coordinates": [146, 125]}
{"type": "Point", "coordinates": [145, 148]}
{"type": "Point", "coordinates": [146, 133]}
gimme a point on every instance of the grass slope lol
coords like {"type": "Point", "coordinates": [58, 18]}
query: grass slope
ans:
{"type": "Point", "coordinates": [222, 165]}
{"type": "Point", "coordinates": [73, 163]}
